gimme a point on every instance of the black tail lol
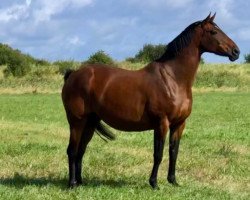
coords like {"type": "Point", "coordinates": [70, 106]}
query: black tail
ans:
{"type": "Point", "coordinates": [103, 132]}
{"type": "Point", "coordinates": [67, 74]}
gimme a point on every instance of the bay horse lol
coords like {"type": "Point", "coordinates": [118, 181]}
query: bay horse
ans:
{"type": "Point", "coordinates": [157, 97]}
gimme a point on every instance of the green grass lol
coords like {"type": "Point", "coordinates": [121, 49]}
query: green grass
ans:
{"type": "Point", "coordinates": [46, 79]}
{"type": "Point", "coordinates": [213, 160]}
{"type": "Point", "coordinates": [223, 75]}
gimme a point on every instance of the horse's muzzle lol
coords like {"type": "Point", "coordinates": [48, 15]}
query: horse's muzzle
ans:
{"type": "Point", "coordinates": [234, 54]}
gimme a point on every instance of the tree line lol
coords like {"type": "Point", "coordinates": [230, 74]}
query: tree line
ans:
{"type": "Point", "coordinates": [20, 64]}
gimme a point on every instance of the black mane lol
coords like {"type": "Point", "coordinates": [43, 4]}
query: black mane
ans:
{"type": "Point", "coordinates": [181, 41]}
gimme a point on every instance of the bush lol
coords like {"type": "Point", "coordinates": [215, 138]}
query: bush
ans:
{"type": "Point", "coordinates": [5, 54]}
{"type": "Point", "coordinates": [132, 60]}
{"type": "Point", "coordinates": [247, 58]}
{"type": "Point", "coordinates": [148, 53]}
{"type": "Point", "coordinates": [100, 57]}
{"type": "Point", "coordinates": [42, 62]}
{"type": "Point", "coordinates": [17, 65]}
{"type": "Point", "coordinates": [63, 65]}
{"type": "Point", "coordinates": [43, 72]}
{"type": "Point", "coordinates": [218, 79]}
{"type": "Point", "coordinates": [202, 61]}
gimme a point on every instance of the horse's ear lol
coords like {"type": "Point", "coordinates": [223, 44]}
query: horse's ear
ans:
{"type": "Point", "coordinates": [207, 18]}
{"type": "Point", "coordinates": [212, 18]}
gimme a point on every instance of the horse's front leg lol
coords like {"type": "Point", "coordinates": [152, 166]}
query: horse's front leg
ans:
{"type": "Point", "coordinates": [159, 141]}
{"type": "Point", "coordinates": [174, 141]}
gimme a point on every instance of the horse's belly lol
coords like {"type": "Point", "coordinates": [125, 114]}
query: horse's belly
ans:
{"type": "Point", "coordinates": [127, 118]}
{"type": "Point", "coordinates": [125, 125]}
{"type": "Point", "coordinates": [120, 101]}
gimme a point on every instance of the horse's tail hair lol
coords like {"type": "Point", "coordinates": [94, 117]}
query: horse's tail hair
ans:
{"type": "Point", "coordinates": [103, 132]}
{"type": "Point", "coordinates": [67, 74]}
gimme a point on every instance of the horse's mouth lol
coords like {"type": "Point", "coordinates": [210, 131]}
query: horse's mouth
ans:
{"type": "Point", "coordinates": [234, 55]}
{"type": "Point", "coordinates": [233, 58]}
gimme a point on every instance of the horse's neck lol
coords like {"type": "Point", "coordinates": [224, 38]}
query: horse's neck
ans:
{"type": "Point", "coordinates": [184, 67]}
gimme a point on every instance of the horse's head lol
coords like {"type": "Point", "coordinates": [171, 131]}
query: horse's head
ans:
{"type": "Point", "coordinates": [214, 40]}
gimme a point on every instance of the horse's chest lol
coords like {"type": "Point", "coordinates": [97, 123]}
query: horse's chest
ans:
{"type": "Point", "coordinates": [181, 109]}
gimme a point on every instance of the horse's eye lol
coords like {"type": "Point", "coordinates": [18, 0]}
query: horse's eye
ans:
{"type": "Point", "coordinates": [213, 32]}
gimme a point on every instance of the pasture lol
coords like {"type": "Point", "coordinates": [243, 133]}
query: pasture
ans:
{"type": "Point", "coordinates": [213, 161]}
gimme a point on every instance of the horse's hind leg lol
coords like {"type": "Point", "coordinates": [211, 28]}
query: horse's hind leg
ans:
{"type": "Point", "coordinates": [76, 128]}
{"type": "Point", "coordinates": [87, 135]}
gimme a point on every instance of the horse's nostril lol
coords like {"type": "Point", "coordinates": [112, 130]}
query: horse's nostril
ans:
{"type": "Point", "coordinates": [236, 51]}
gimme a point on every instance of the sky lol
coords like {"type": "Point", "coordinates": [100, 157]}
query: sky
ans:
{"type": "Point", "coordinates": [75, 29]}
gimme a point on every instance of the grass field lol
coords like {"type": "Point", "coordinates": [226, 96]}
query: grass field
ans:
{"type": "Point", "coordinates": [213, 161]}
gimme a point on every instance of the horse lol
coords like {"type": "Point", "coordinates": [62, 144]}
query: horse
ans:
{"type": "Point", "coordinates": [157, 97]}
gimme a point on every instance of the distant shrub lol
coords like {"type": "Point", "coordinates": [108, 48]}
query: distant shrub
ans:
{"type": "Point", "coordinates": [247, 58]}
{"type": "Point", "coordinates": [132, 60]}
{"type": "Point", "coordinates": [43, 71]}
{"type": "Point", "coordinates": [63, 65]}
{"type": "Point", "coordinates": [5, 54]}
{"type": "Point", "coordinates": [202, 61]}
{"type": "Point", "coordinates": [100, 57]}
{"type": "Point", "coordinates": [17, 65]}
{"type": "Point", "coordinates": [42, 62]}
{"type": "Point", "coordinates": [148, 53]}
{"type": "Point", "coordinates": [29, 58]}
{"type": "Point", "coordinates": [217, 79]}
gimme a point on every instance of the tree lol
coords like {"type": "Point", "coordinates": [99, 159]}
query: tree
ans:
{"type": "Point", "coordinates": [17, 65]}
{"type": "Point", "coordinates": [202, 61]}
{"type": "Point", "coordinates": [247, 58]}
{"type": "Point", "coordinates": [148, 53]}
{"type": "Point", "coordinates": [100, 57]}
{"type": "Point", "coordinates": [64, 65]}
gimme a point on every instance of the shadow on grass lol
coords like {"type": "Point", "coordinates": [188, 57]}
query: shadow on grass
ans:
{"type": "Point", "coordinates": [97, 182]}
{"type": "Point", "coordinates": [20, 181]}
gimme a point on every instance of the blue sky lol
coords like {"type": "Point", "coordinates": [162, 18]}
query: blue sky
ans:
{"type": "Point", "coordinates": [75, 29]}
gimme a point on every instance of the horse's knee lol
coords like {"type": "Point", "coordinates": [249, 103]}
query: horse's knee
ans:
{"type": "Point", "coordinates": [71, 152]}
{"type": "Point", "coordinates": [157, 159]}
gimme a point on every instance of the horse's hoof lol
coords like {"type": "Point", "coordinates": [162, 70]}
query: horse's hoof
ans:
{"type": "Point", "coordinates": [79, 182]}
{"type": "Point", "coordinates": [175, 184]}
{"type": "Point", "coordinates": [173, 181]}
{"type": "Point", "coordinates": [154, 185]}
{"type": "Point", "coordinates": [73, 184]}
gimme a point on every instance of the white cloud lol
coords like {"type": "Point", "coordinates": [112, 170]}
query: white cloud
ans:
{"type": "Point", "coordinates": [244, 34]}
{"type": "Point", "coordinates": [15, 12]}
{"type": "Point", "coordinates": [163, 3]}
{"type": "Point", "coordinates": [80, 3]}
{"type": "Point", "coordinates": [39, 10]}
{"type": "Point", "coordinates": [75, 40]}
{"type": "Point", "coordinates": [48, 8]}
{"type": "Point", "coordinates": [223, 7]}
{"type": "Point", "coordinates": [178, 3]}
{"type": "Point", "coordinates": [112, 25]}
